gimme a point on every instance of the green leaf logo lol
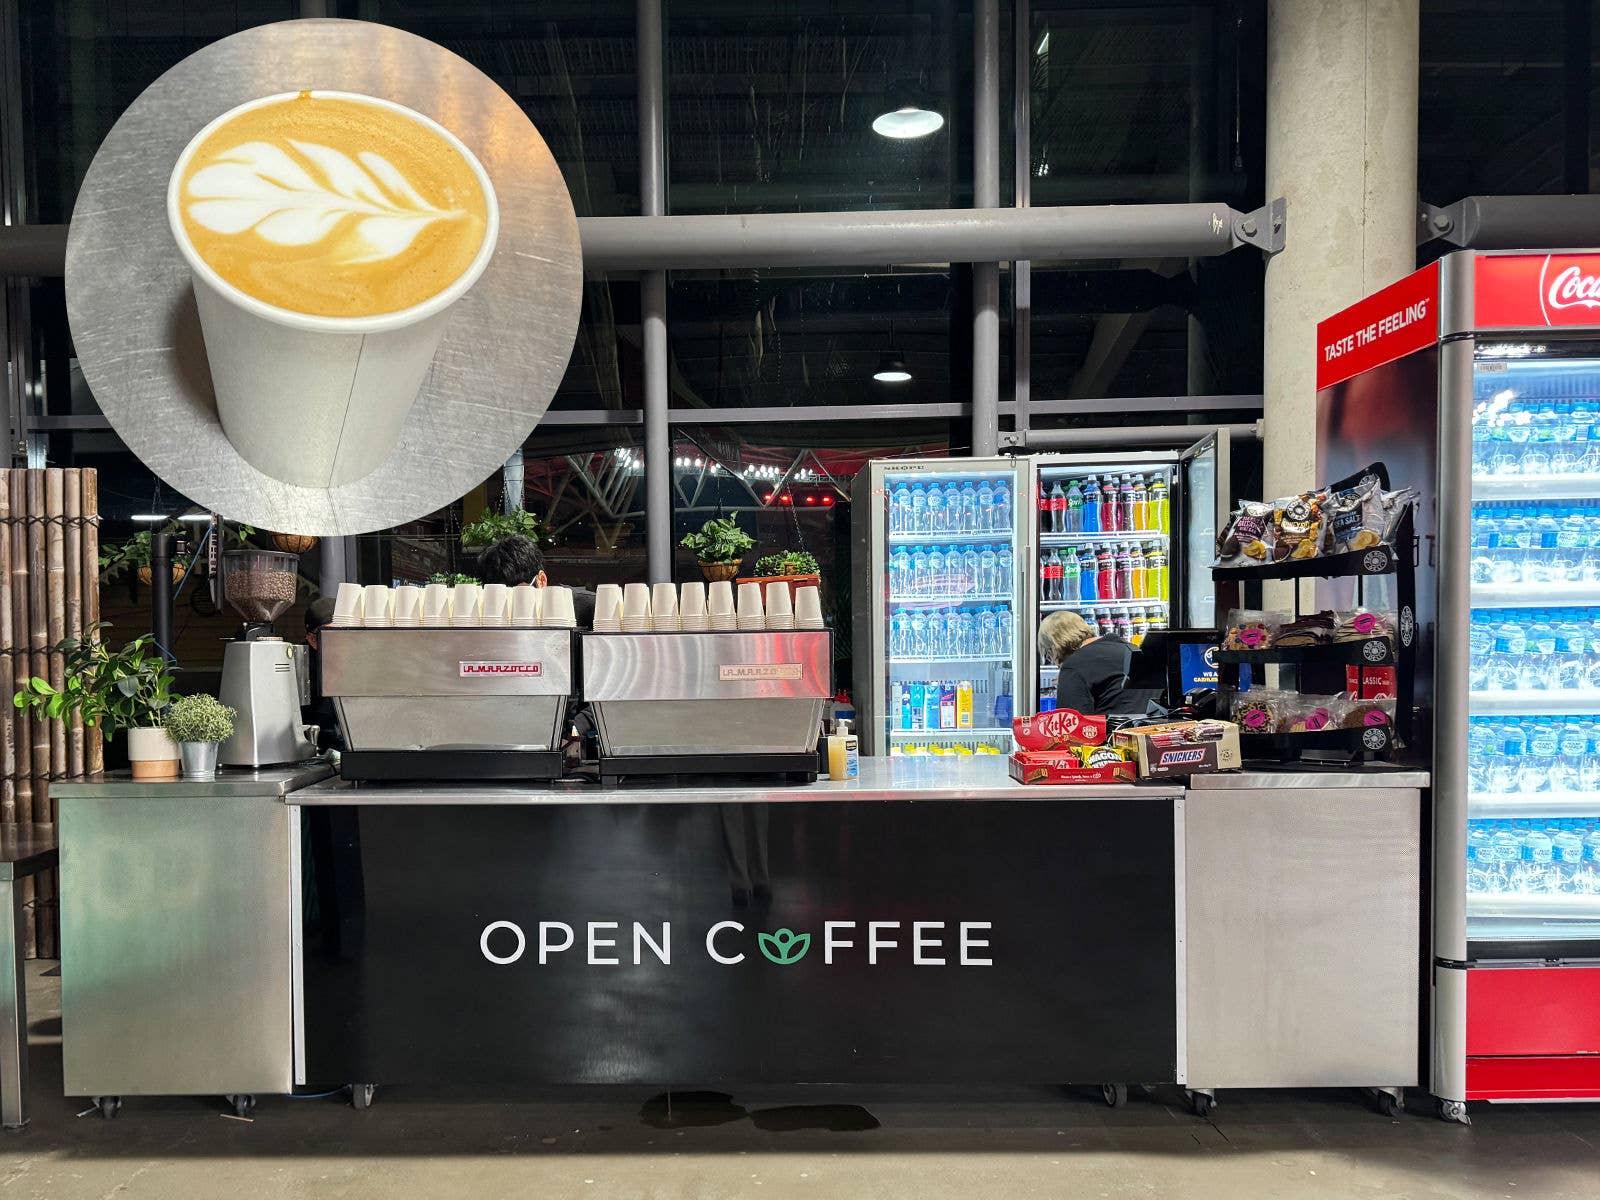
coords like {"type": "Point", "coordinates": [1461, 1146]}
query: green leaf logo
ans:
{"type": "Point", "coordinates": [785, 946]}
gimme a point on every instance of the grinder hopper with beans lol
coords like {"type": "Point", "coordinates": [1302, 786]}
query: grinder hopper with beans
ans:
{"type": "Point", "coordinates": [264, 678]}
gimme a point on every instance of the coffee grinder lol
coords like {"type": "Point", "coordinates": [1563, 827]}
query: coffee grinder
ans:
{"type": "Point", "coordinates": [264, 678]}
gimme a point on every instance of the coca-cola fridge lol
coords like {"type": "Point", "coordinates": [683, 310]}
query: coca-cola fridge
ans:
{"type": "Point", "coordinates": [1126, 539]}
{"type": "Point", "coordinates": [1477, 381]}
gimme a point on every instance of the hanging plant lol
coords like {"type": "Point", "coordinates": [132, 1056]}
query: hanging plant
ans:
{"type": "Point", "coordinates": [492, 527]}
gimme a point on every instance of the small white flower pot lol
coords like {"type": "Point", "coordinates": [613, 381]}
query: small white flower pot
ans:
{"type": "Point", "coordinates": [152, 754]}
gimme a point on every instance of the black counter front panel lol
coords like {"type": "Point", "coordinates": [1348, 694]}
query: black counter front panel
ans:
{"type": "Point", "coordinates": [1047, 943]}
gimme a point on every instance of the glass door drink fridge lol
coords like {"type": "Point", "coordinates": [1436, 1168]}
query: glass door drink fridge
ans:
{"type": "Point", "coordinates": [940, 558]}
{"type": "Point", "coordinates": [1483, 370]}
{"type": "Point", "coordinates": [1127, 539]}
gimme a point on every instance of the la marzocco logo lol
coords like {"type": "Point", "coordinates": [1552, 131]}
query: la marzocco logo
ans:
{"type": "Point", "coordinates": [470, 669]}
{"type": "Point", "coordinates": [919, 943]}
{"type": "Point", "coordinates": [1172, 758]}
{"type": "Point", "coordinates": [1570, 288]}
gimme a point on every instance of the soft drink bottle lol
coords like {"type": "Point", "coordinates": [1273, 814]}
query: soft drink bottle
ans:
{"type": "Point", "coordinates": [1125, 509]}
{"type": "Point", "coordinates": [1107, 627]}
{"type": "Point", "coordinates": [1136, 569]}
{"type": "Point", "coordinates": [1002, 507]}
{"type": "Point", "coordinates": [1058, 508]}
{"type": "Point", "coordinates": [1155, 565]}
{"type": "Point", "coordinates": [1110, 506]}
{"type": "Point", "coordinates": [1160, 513]}
{"type": "Point", "coordinates": [1089, 574]}
{"type": "Point", "coordinates": [1123, 563]}
{"type": "Point", "coordinates": [1106, 574]}
{"type": "Point", "coordinates": [1044, 510]}
{"type": "Point", "coordinates": [1121, 625]}
{"type": "Point", "coordinates": [1141, 504]}
{"type": "Point", "coordinates": [985, 518]}
{"type": "Point", "coordinates": [1074, 507]}
{"type": "Point", "coordinates": [1091, 506]}
{"type": "Point", "coordinates": [1046, 576]}
{"type": "Point", "coordinates": [1141, 625]}
{"type": "Point", "coordinates": [1072, 584]}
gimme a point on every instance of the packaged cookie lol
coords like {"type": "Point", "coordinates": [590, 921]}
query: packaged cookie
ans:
{"type": "Point", "coordinates": [1362, 625]}
{"type": "Point", "coordinates": [1312, 630]}
{"type": "Point", "coordinates": [1247, 541]}
{"type": "Point", "coordinates": [1362, 713]}
{"type": "Point", "coordinates": [1312, 714]}
{"type": "Point", "coordinates": [1260, 710]}
{"type": "Point", "coordinates": [1250, 629]}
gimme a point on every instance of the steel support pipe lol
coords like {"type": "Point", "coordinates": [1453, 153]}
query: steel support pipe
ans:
{"type": "Point", "coordinates": [1084, 438]}
{"type": "Point", "coordinates": [653, 297]}
{"type": "Point", "coordinates": [1515, 222]}
{"type": "Point", "coordinates": [843, 239]}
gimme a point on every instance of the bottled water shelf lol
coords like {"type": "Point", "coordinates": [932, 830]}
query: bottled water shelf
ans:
{"type": "Point", "coordinates": [1486, 805]}
{"type": "Point", "coordinates": [1549, 906]}
{"type": "Point", "coordinates": [1058, 605]}
{"type": "Point", "coordinates": [1578, 702]}
{"type": "Point", "coordinates": [1536, 488]}
{"type": "Point", "coordinates": [1109, 535]}
{"type": "Point", "coordinates": [939, 539]}
{"type": "Point", "coordinates": [1582, 594]}
{"type": "Point", "coordinates": [945, 598]}
{"type": "Point", "coordinates": [949, 659]}
{"type": "Point", "coordinates": [940, 735]}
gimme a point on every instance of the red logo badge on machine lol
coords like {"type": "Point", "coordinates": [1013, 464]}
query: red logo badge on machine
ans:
{"type": "Point", "coordinates": [500, 669]}
{"type": "Point", "coordinates": [1536, 291]}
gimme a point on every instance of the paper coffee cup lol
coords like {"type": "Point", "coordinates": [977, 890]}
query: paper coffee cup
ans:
{"type": "Point", "coordinates": [779, 603]}
{"type": "Point", "coordinates": [496, 604]}
{"type": "Point", "coordinates": [311, 400]}
{"type": "Point", "coordinates": [636, 606]}
{"type": "Point", "coordinates": [436, 604]}
{"type": "Point", "coordinates": [750, 607]}
{"type": "Point", "coordinates": [608, 608]}
{"type": "Point", "coordinates": [558, 610]}
{"type": "Point", "coordinates": [719, 598]}
{"type": "Point", "coordinates": [377, 606]}
{"type": "Point", "coordinates": [407, 605]}
{"type": "Point", "coordinates": [807, 608]}
{"type": "Point", "coordinates": [525, 604]}
{"type": "Point", "coordinates": [692, 601]}
{"type": "Point", "coordinates": [466, 604]}
{"type": "Point", "coordinates": [347, 605]}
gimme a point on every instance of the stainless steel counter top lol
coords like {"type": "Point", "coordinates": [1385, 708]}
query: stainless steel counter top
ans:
{"type": "Point", "coordinates": [230, 782]}
{"type": "Point", "coordinates": [977, 778]}
{"type": "Point", "coordinates": [1304, 775]}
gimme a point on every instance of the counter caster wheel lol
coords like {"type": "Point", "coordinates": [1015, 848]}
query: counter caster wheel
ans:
{"type": "Point", "coordinates": [1114, 1094]}
{"type": "Point", "coordinates": [361, 1094]}
{"type": "Point", "coordinates": [1391, 1106]}
{"type": "Point", "coordinates": [1203, 1103]}
{"type": "Point", "coordinates": [242, 1104]}
{"type": "Point", "coordinates": [109, 1106]}
{"type": "Point", "coordinates": [1454, 1110]}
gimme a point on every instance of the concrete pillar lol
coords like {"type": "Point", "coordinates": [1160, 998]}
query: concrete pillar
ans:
{"type": "Point", "coordinates": [1342, 148]}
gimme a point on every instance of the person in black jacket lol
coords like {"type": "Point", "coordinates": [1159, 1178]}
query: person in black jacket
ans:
{"type": "Point", "coordinates": [515, 560]}
{"type": "Point", "coordinates": [1094, 669]}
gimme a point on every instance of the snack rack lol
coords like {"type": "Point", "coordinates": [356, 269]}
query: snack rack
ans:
{"type": "Point", "coordinates": [1327, 663]}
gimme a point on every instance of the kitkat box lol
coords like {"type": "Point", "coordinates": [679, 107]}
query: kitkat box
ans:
{"type": "Point", "coordinates": [1074, 764]}
{"type": "Point", "coordinates": [1181, 747]}
{"type": "Point", "coordinates": [1056, 730]}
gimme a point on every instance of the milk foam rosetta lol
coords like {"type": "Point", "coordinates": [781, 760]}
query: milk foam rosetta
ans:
{"type": "Point", "coordinates": [331, 206]}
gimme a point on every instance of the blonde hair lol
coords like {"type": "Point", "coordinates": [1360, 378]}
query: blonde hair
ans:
{"type": "Point", "coordinates": [1061, 633]}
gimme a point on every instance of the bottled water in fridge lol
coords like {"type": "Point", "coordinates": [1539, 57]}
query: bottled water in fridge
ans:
{"type": "Point", "coordinates": [968, 522]}
{"type": "Point", "coordinates": [988, 572]}
{"type": "Point", "coordinates": [1004, 566]}
{"type": "Point", "coordinates": [919, 510]}
{"type": "Point", "coordinates": [985, 522]}
{"type": "Point", "coordinates": [1505, 664]}
{"type": "Point", "coordinates": [900, 509]}
{"type": "Point", "coordinates": [1544, 745]}
{"type": "Point", "coordinates": [1538, 661]}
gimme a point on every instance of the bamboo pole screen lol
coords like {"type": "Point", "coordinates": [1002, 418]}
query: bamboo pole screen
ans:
{"type": "Point", "coordinates": [49, 590]}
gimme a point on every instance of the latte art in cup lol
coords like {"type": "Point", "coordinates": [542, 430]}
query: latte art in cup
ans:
{"type": "Point", "coordinates": [329, 205]}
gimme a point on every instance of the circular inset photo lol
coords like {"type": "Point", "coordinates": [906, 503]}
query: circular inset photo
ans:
{"type": "Point", "coordinates": [323, 277]}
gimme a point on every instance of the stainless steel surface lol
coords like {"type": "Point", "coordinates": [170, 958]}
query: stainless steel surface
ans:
{"type": "Point", "coordinates": [297, 979]}
{"type": "Point", "coordinates": [199, 760]}
{"type": "Point", "coordinates": [651, 100]}
{"type": "Point", "coordinates": [1303, 929]}
{"type": "Point", "coordinates": [1451, 657]}
{"type": "Point", "coordinates": [1455, 294]}
{"type": "Point", "coordinates": [1180, 912]}
{"type": "Point", "coordinates": [1290, 777]}
{"type": "Point", "coordinates": [440, 662]}
{"type": "Point", "coordinates": [229, 784]}
{"type": "Point", "coordinates": [131, 307]}
{"type": "Point", "coordinates": [707, 666]}
{"type": "Point", "coordinates": [707, 693]}
{"type": "Point", "coordinates": [1447, 1074]}
{"type": "Point", "coordinates": [435, 689]}
{"type": "Point", "coordinates": [176, 952]}
{"type": "Point", "coordinates": [979, 778]}
{"type": "Point", "coordinates": [261, 682]}
{"type": "Point", "coordinates": [868, 587]}
{"type": "Point", "coordinates": [13, 1010]}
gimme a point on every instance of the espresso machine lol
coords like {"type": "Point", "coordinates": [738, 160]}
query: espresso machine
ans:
{"type": "Point", "coordinates": [265, 679]}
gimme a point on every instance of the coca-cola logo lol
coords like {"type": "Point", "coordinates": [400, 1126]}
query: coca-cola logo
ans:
{"type": "Point", "coordinates": [1571, 288]}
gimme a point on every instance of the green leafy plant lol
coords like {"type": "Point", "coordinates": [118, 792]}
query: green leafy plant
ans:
{"type": "Point", "coordinates": [491, 527]}
{"type": "Point", "coordinates": [720, 540]}
{"type": "Point", "coordinates": [451, 578]}
{"type": "Point", "coordinates": [199, 718]}
{"type": "Point", "coordinates": [131, 554]}
{"type": "Point", "coordinates": [112, 689]}
{"type": "Point", "coordinates": [789, 562]}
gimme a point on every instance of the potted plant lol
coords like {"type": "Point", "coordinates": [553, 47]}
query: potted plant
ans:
{"type": "Point", "coordinates": [128, 688]}
{"type": "Point", "coordinates": [134, 553]}
{"type": "Point", "coordinates": [797, 568]}
{"type": "Point", "coordinates": [491, 527]}
{"type": "Point", "coordinates": [719, 547]}
{"type": "Point", "coordinates": [199, 724]}
{"type": "Point", "coordinates": [292, 543]}
{"type": "Point", "coordinates": [451, 578]}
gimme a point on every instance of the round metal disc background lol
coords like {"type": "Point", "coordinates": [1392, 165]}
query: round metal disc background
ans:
{"type": "Point", "coordinates": [132, 310]}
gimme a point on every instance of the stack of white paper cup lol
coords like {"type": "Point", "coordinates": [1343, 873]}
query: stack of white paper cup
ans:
{"type": "Point", "coordinates": [608, 608]}
{"type": "Point", "coordinates": [557, 610]}
{"type": "Point", "coordinates": [807, 607]}
{"type": "Point", "coordinates": [780, 606]}
{"type": "Point", "coordinates": [466, 604]}
{"type": "Point", "coordinates": [525, 604]}
{"type": "Point", "coordinates": [664, 607]}
{"type": "Point", "coordinates": [751, 615]}
{"type": "Point", "coordinates": [496, 604]}
{"type": "Point", "coordinates": [347, 605]}
{"type": "Point", "coordinates": [692, 608]}
{"type": "Point", "coordinates": [377, 611]}
{"type": "Point", "coordinates": [636, 608]}
{"type": "Point", "coordinates": [408, 606]}
{"type": "Point", "coordinates": [436, 605]}
{"type": "Point", "coordinates": [719, 604]}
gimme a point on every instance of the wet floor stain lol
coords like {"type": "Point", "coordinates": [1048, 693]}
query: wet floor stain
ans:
{"type": "Point", "coordinates": [834, 1118]}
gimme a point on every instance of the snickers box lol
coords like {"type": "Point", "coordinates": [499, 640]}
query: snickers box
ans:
{"type": "Point", "coordinates": [1058, 729]}
{"type": "Point", "coordinates": [1181, 747]}
{"type": "Point", "coordinates": [1076, 764]}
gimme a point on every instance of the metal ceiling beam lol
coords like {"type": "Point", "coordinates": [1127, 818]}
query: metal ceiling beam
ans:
{"type": "Point", "coordinates": [1513, 222]}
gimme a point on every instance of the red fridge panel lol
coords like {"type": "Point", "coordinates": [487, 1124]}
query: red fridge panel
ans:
{"type": "Point", "coordinates": [1573, 1078]}
{"type": "Point", "coordinates": [1533, 1011]}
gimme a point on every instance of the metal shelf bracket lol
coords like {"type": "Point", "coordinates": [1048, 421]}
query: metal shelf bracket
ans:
{"type": "Point", "coordinates": [1263, 228]}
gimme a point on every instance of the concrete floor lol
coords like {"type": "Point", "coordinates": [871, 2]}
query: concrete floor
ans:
{"type": "Point", "coordinates": [770, 1143]}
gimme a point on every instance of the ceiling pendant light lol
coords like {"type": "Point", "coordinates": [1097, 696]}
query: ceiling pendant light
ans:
{"type": "Point", "coordinates": [891, 370]}
{"type": "Point", "coordinates": [908, 115]}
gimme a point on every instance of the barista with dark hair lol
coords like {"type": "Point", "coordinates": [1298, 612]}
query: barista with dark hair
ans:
{"type": "Point", "coordinates": [517, 560]}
